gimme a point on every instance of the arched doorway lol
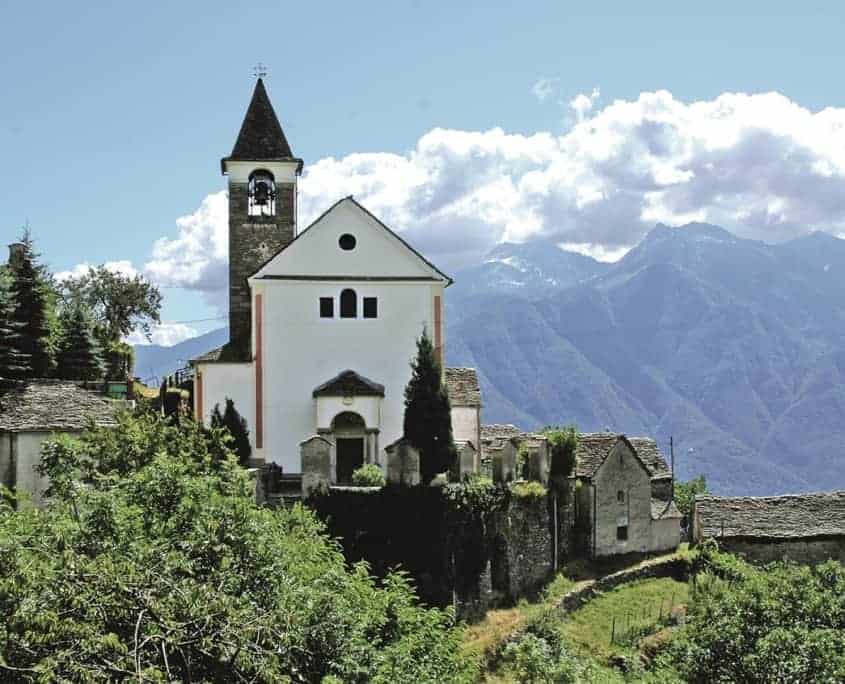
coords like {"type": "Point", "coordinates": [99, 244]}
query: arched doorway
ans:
{"type": "Point", "coordinates": [349, 431]}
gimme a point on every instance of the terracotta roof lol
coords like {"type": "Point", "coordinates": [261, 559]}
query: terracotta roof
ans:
{"type": "Point", "coordinates": [261, 137]}
{"type": "Point", "coordinates": [772, 517]}
{"type": "Point", "coordinates": [462, 386]}
{"type": "Point", "coordinates": [54, 405]}
{"type": "Point", "coordinates": [593, 448]}
{"type": "Point", "coordinates": [349, 383]}
{"type": "Point", "coordinates": [664, 510]}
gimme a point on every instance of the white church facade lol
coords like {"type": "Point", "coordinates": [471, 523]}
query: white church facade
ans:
{"type": "Point", "coordinates": [323, 321]}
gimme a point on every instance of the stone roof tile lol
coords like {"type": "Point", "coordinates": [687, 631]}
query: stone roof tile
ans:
{"type": "Point", "coordinates": [462, 386]}
{"type": "Point", "coordinates": [53, 405]}
{"type": "Point", "coordinates": [261, 136]}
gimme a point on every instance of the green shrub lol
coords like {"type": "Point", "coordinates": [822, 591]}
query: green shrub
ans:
{"type": "Point", "coordinates": [532, 659]}
{"type": "Point", "coordinates": [528, 490]}
{"type": "Point", "coordinates": [563, 443]}
{"type": "Point", "coordinates": [368, 475]}
{"type": "Point", "coordinates": [477, 494]}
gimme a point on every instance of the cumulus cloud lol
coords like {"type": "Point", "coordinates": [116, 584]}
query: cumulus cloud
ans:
{"type": "Point", "coordinates": [166, 335]}
{"type": "Point", "coordinates": [759, 165]}
{"type": "Point", "coordinates": [544, 87]}
{"type": "Point", "coordinates": [82, 269]}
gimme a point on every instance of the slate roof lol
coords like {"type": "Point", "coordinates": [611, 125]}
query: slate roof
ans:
{"type": "Point", "coordinates": [771, 517]}
{"type": "Point", "coordinates": [53, 405]}
{"type": "Point", "coordinates": [499, 433]}
{"type": "Point", "coordinates": [664, 510]}
{"type": "Point", "coordinates": [462, 386]}
{"type": "Point", "coordinates": [261, 137]}
{"type": "Point", "coordinates": [593, 448]}
{"type": "Point", "coordinates": [651, 457]}
{"type": "Point", "coordinates": [225, 354]}
{"type": "Point", "coordinates": [348, 383]}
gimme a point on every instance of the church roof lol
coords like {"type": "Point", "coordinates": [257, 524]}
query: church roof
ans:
{"type": "Point", "coordinates": [462, 386]}
{"type": "Point", "coordinates": [349, 384]}
{"type": "Point", "coordinates": [261, 137]}
{"type": "Point", "coordinates": [53, 405]}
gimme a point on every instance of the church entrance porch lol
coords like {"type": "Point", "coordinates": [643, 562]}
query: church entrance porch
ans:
{"type": "Point", "coordinates": [350, 457]}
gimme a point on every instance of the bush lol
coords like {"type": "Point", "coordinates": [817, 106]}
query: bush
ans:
{"type": "Point", "coordinates": [563, 443]}
{"type": "Point", "coordinates": [532, 659]}
{"type": "Point", "coordinates": [368, 475]}
{"type": "Point", "coordinates": [528, 490]}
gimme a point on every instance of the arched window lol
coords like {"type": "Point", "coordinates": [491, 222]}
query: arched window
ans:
{"type": "Point", "coordinates": [262, 194]}
{"type": "Point", "coordinates": [348, 304]}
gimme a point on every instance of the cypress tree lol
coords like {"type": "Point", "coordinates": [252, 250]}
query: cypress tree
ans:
{"type": "Point", "coordinates": [79, 355]}
{"type": "Point", "coordinates": [29, 310]}
{"type": "Point", "coordinates": [14, 363]}
{"type": "Point", "coordinates": [236, 425]}
{"type": "Point", "coordinates": [428, 416]}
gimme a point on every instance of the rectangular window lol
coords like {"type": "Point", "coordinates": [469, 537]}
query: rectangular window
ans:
{"type": "Point", "coordinates": [370, 307]}
{"type": "Point", "coordinates": [326, 307]}
{"type": "Point", "coordinates": [622, 533]}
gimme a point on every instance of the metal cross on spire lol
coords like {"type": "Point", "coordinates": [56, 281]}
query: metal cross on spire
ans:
{"type": "Point", "coordinates": [259, 70]}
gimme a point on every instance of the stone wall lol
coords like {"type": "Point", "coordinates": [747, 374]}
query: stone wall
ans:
{"type": "Point", "coordinates": [526, 548]}
{"type": "Point", "coordinates": [806, 551]}
{"type": "Point", "coordinates": [253, 240]}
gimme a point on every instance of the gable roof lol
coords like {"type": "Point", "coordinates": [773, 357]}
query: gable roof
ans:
{"type": "Point", "coordinates": [496, 433]}
{"type": "Point", "coordinates": [593, 448]}
{"type": "Point", "coordinates": [436, 273]}
{"type": "Point", "coordinates": [348, 383]}
{"type": "Point", "coordinates": [462, 386]}
{"type": "Point", "coordinates": [53, 405]}
{"type": "Point", "coordinates": [261, 137]}
{"type": "Point", "coordinates": [771, 517]}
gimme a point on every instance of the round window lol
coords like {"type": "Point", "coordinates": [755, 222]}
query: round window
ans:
{"type": "Point", "coordinates": [347, 242]}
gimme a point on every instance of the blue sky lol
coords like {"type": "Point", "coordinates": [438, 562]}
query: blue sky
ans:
{"type": "Point", "coordinates": [114, 117]}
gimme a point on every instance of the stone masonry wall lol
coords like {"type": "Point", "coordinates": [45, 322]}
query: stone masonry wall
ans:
{"type": "Point", "coordinates": [805, 551]}
{"type": "Point", "coordinates": [525, 529]}
{"type": "Point", "coordinates": [253, 240]}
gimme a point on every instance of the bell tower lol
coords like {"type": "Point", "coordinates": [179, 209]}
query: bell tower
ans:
{"type": "Point", "coordinates": [262, 174]}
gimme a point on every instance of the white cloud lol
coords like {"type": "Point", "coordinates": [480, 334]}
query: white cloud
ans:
{"type": "Point", "coordinates": [166, 335]}
{"type": "Point", "coordinates": [543, 88]}
{"type": "Point", "coordinates": [759, 165]}
{"type": "Point", "coordinates": [582, 104]}
{"type": "Point", "coordinates": [123, 266]}
{"type": "Point", "coordinates": [597, 252]}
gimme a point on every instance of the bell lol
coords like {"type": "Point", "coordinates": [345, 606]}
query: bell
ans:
{"type": "Point", "coordinates": [262, 194]}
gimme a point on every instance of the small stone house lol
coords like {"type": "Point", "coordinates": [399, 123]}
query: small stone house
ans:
{"type": "Point", "coordinates": [465, 399]}
{"type": "Point", "coordinates": [623, 500]}
{"type": "Point", "coordinates": [807, 528]}
{"type": "Point", "coordinates": [35, 411]}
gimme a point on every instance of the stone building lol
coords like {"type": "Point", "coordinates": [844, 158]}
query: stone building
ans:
{"type": "Point", "coordinates": [623, 501]}
{"type": "Point", "coordinates": [465, 399]}
{"type": "Point", "coordinates": [33, 412]}
{"type": "Point", "coordinates": [807, 528]}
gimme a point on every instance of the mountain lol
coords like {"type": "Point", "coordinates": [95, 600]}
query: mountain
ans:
{"type": "Point", "coordinates": [153, 362]}
{"type": "Point", "coordinates": [734, 347]}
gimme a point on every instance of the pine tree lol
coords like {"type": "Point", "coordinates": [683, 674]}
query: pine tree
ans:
{"type": "Point", "coordinates": [236, 425]}
{"type": "Point", "coordinates": [13, 361]}
{"type": "Point", "coordinates": [30, 296]}
{"type": "Point", "coordinates": [79, 355]}
{"type": "Point", "coordinates": [428, 416]}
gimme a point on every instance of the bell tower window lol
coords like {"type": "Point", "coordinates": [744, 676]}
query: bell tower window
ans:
{"type": "Point", "coordinates": [262, 194]}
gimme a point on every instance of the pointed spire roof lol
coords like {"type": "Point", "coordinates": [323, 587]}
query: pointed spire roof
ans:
{"type": "Point", "coordinates": [261, 137]}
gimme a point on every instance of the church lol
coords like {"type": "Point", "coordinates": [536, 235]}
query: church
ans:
{"type": "Point", "coordinates": [323, 320]}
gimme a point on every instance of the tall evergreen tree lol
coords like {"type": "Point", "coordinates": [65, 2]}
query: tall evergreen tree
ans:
{"type": "Point", "coordinates": [30, 296]}
{"type": "Point", "coordinates": [13, 361]}
{"type": "Point", "coordinates": [236, 425]}
{"type": "Point", "coordinates": [79, 355]}
{"type": "Point", "coordinates": [428, 416]}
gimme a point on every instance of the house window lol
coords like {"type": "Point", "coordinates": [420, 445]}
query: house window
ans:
{"type": "Point", "coordinates": [326, 307]}
{"type": "Point", "coordinates": [348, 304]}
{"type": "Point", "coordinates": [370, 307]}
{"type": "Point", "coordinates": [620, 496]}
{"type": "Point", "coordinates": [622, 533]}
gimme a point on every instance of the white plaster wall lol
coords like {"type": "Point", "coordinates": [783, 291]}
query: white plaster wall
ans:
{"type": "Point", "coordinates": [302, 350]}
{"type": "Point", "coordinates": [369, 408]}
{"type": "Point", "coordinates": [465, 424]}
{"type": "Point", "coordinates": [239, 171]}
{"type": "Point", "coordinates": [235, 381]}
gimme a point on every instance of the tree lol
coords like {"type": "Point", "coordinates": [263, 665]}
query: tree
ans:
{"type": "Point", "coordinates": [13, 361]}
{"type": "Point", "coordinates": [31, 297]}
{"type": "Point", "coordinates": [685, 494]}
{"type": "Point", "coordinates": [235, 424]}
{"type": "Point", "coordinates": [428, 414]}
{"type": "Point", "coordinates": [79, 354]}
{"type": "Point", "coordinates": [119, 304]}
{"type": "Point", "coordinates": [152, 562]}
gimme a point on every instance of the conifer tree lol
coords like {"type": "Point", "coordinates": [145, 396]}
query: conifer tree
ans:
{"type": "Point", "coordinates": [236, 425]}
{"type": "Point", "coordinates": [428, 417]}
{"type": "Point", "coordinates": [14, 363]}
{"type": "Point", "coordinates": [79, 355]}
{"type": "Point", "coordinates": [30, 296]}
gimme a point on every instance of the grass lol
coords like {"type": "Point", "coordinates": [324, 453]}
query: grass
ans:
{"type": "Point", "coordinates": [588, 630]}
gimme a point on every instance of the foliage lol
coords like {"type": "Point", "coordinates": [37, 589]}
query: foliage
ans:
{"type": "Point", "coordinates": [685, 494]}
{"type": "Point", "coordinates": [235, 424]}
{"type": "Point", "coordinates": [784, 622]}
{"type": "Point", "coordinates": [162, 568]}
{"type": "Point", "coordinates": [477, 494]}
{"type": "Point", "coordinates": [31, 296]}
{"type": "Point", "coordinates": [368, 475]}
{"type": "Point", "coordinates": [118, 304]}
{"type": "Point", "coordinates": [538, 656]}
{"type": "Point", "coordinates": [563, 443]}
{"type": "Point", "coordinates": [528, 490]}
{"type": "Point", "coordinates": [78, 356]}
{"type": "Point", "coordinates": [520, 465]}
{"type": "Point", "coordinates": [14, 362]}
{"type": "Point", "coordinates": [428, 417]}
